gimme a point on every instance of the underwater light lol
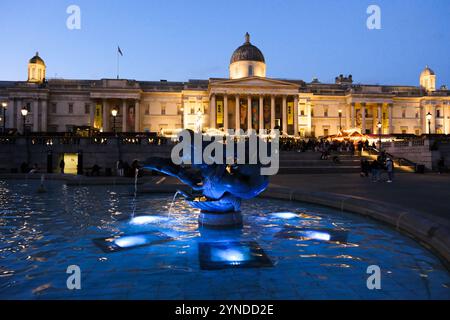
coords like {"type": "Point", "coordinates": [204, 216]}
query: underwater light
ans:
{"type": "Point", "coordinates": [146, 219]}
{"type": "Point", "coordinates": [284, 215]}
{"type": "Point", "coordinates": [230, 255]}
{"type": "Point", "coordinates": [317, 235]}
{"type": "Point", "coordinates": [130, 241]}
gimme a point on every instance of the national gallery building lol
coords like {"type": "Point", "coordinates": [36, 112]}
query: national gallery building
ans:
{"type": "Point", "coordinates": [246, 99]}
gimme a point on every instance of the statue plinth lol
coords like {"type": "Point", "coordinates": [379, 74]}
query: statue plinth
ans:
{"type": "Point", "coordinates": [220, 220]}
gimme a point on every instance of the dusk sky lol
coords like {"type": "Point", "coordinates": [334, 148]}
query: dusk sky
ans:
{"type": "Point", "coordinates": [181, 40]}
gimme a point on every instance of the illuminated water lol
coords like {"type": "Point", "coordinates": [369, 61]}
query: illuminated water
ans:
{"type": "Point", "coordinates": [41, 234]}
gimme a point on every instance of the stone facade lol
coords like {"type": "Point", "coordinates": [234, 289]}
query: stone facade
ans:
{"type": "Point", "coordinates": [294, 106]}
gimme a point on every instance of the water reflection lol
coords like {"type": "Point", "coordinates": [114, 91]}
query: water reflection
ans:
{"type": "Point", "coordinates": [155, 256]}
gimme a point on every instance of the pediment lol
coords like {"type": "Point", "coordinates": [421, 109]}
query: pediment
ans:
{"type": "Point", "coordinates": [253, 82]}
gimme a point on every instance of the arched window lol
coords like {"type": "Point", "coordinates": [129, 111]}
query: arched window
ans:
{"type": "Point", "coordinates": [250, 71]}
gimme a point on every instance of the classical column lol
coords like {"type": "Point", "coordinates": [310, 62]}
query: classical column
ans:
{"type": "Point", "coordinates": [272, 112]}
{"type": "Point", "coordinates": [309, 116]}
{"type": "Point", "coordinates": [237, 113]}
{"type": "Point", "coordinates": [445, 111]}
{"type": "Point", "coordinates": [261, 113]}
{"type": "Point", "coordinates": [390, 110]}
{"type": "Point", "coordinates": [212, 111]}
{"type": "Point", "coordinates": [44, 115]}
{"type": "Point", "coordinates": [137, 116]}
{"type": "Point", "coordinates": [296, 115]}
{"type": "Point", "coordinates": [124, 116]}
{"type": "Point", "coordinates": [423, 117]}
{"type": "Point", "coordinates": [353, 113]}
{"type": "Point", "coordinates": [35, 109]}
{"type": "Point", "coordinates": [380, 113]}
{"type": "Point", "coordinates": [347, 116]}
{"type": "Point", "coordinates": [363, 117]}
{"type": "Point", "coordinates": [105, 115]}
{"type": "Point", "coordinates": [249, 113]}
{"type": "Point", "coordinates": [19, 119]}
{"type": "Point", "coordinates": [284, 115]}
{"type": "Point", "coordinates": [92, 109]}
{"type": "Point", "coordinates": [225, 112]}
{"type": "Point", "coordinates": [10, 113]}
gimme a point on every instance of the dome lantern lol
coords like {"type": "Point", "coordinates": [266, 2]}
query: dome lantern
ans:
{"type": "Point", "coordinates": [36, 69]}
{"type": "Point", "coordinates": [428, 79]}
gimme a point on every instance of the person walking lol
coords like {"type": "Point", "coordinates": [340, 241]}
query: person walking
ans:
{"type": "Point", "coordinates": [119, 167]}
{"type": "Point", "coordinates": [62, 165]}
{"type": "Point", "coordinates": [390, 169]}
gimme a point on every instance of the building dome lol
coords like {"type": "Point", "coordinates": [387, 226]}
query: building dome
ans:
{"type": "Point", "coordinates": [37, 60]}
{"type": "Point", "coordinates": [247, 61]}
{"type": "Point", "coordinates": [428, 79]}
{"type": "Point", "coordinates": [247, 52]}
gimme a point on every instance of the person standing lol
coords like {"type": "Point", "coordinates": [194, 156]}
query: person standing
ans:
{"type": "Point", "coordinates": [441, 165]}
{"type": "Point", "coordinates": [375, 166]}
{"type": "Point", "coordinates": [390, 169]}
{"type": "Point", "coordinates": [62, 165]}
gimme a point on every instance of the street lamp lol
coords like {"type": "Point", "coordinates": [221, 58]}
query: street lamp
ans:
{"type": "Point", "coordinates": [114, 113]}
{"type": "Point", "coordinates": [429, 122]}
{"type": "Point", "coordinates": [24, 112]}
{"type": "Point", "coordinates": [340, 119]}
{"type": "Point", "coordinates": [4, 106]}
{"type": "Point", "coordinates": [379, 125]}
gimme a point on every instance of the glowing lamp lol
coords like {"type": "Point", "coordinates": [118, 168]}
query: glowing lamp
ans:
{"type": "Point", "coordinates": [24, 111]}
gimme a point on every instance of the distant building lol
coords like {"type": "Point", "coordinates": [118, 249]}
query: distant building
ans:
{"type": "Point", "coordinates": [247, 99]}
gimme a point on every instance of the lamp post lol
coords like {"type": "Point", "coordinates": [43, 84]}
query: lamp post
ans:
{"type": "Point", "coordinates": [24, 112]}
{"type": "Point", "coordinates": [379, 125]}
{"type": "Point", "coordinates": [340, 120]}
{"type": "Point", "coordinates": [4, 106]}
{"type": "Point", "coordinates": [429, 122]}
{"type": "Point", "coordinates": [114, 113]}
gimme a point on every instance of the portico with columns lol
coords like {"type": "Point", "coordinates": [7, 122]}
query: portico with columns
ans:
{"type": "Point", "coordinates": [127, 104]}
{"type": "Point", "coordinates": [254, 103]}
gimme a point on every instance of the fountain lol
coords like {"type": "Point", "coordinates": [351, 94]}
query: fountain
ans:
{"type": "Point", "coordinates": [217, 189]}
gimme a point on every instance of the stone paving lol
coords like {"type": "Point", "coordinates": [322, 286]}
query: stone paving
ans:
{"type": "Point", "coordinates": [427, 193]}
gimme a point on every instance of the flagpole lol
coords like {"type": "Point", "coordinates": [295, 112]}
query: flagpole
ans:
{"type": "Point", "coordinates": [117, 62]}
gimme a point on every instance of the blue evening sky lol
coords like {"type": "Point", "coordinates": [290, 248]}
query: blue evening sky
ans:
{"type": "Point", "coordinates": [179, 40]}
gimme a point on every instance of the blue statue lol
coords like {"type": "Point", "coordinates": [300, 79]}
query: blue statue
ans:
{"type": "Point", "coordinates": [221, 186]}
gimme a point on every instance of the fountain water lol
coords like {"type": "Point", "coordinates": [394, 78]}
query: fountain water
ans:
{"type": "Point", "coordinates": [136, 173]}
{"type": "Point", "coordinates": [41, 188]}
{"type": "Point", "coordinates": [173, 201]}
